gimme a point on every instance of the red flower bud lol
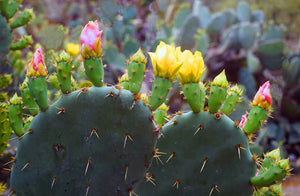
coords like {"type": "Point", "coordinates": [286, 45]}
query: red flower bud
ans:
{"type": "Point", "coordinates": [91, 40]}
{"type": "Point", "coordinates": [263, 96]}
{"type": "Point", "coordinates": [36, 66]}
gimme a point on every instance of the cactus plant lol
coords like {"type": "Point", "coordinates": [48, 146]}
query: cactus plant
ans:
{"type": "Point", "coordinates": [197, 151]}
{"type": "Point", "coordinates": [101, 140]}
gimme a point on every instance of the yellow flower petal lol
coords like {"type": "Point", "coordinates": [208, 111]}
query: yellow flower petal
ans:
{"type": "Point", "coordinates": [192, 68]}
{"type": "Point", "coordinates": [166, 60]}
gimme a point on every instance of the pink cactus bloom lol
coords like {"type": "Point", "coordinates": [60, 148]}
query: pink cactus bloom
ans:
{"type": "Point", "coordinates": [263, 96]}
{"type": "Point", "coordinates": [37, 66]}
{"type": "Point", "coordinates": [91, 40]}
{"type": "Point", "coordinates": [243, 121]}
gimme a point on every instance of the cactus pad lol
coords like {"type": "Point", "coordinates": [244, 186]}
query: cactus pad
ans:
{"type": "Point", "coordinates": [94, 141]}
{"type": "Point", "coordinates": [5, 38]}
{"type": "Point", "coordinates": [194, 166]}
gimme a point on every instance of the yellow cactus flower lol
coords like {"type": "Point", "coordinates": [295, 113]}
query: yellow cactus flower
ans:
{"type": "Point", "coordinates": [166, 60]}
{"type": "Point", "coordinates": [37, 66]}
{"type": "Point", "coordinates": [192, 68]}
{"type": "Point", "coordinates": [73, 49]}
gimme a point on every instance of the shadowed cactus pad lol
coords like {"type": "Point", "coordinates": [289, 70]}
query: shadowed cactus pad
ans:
{"type": "Point", "coordinates": [94, 141]}
{"type": "Point", "coordinates": [194, 166]}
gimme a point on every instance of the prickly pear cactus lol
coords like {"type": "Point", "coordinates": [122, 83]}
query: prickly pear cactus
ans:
{"type": "Point", "coordinates": [198, 152]}
{"type": "Point", "coordinates": [101, 140]}
{"type": "Point", "coordinates": [94, 141]}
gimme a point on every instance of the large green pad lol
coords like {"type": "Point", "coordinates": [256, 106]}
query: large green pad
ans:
{"type": "Point", "coordinates": [193, 137]}
{"type": "Point", "coordinates": [62, 146]}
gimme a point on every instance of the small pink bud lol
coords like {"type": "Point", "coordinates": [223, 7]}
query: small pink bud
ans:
{"type": "Point", "coordinates": [243, 121]}
{"type": "Point", "coordinates": [91, 45]}
{"type": "Point", "coordinates": [263, 96]}
{"type": "Point", "coordinates": [36, 66]}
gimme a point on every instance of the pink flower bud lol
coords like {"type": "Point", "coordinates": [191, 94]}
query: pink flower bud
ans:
{"type": "Point", "coordinates": [36, 66]}
{"type": "Point", "coordinates": [263, 96]}
{"type": "Point", "coordinates": [91, 40]}
{"type": "Point", "coordinates": [243, 121]}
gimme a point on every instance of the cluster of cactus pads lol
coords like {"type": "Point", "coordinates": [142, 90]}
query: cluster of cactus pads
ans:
{"type": "Point", "coordinates": [11, 19]}
{"type": "Point", "coordinates": [101, 140]}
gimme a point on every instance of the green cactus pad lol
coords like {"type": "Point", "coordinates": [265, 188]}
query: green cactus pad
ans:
{"type": "Point", "coordinates": [160, 90]}
{"type": "Point", "coordinates": [271, 176]}
{"type": "Point", "coordinates": [243, 11]}
{"type": "Point", "coordinates": [5, 128]}
{"type": "Point", "coordinates": [216, 24]}
{"type": "Point", "coordinates": [28, 100]}
{"type": "Point", "coordinates": [232, 98]}
{"type": "Point", "coordinates": [202, 41]}
{"type": "Point", "coordinates": [199, 151]}
{"type": "Point", "coordinates": [24, 42]}
{"type": "Point", "coordinates": [270, 54]}
{"type": "Point", "coordinates": [161, 114]}
{"type": "Point", "coordinates": [160, 117]}
{"type": "Point", "coordinates": [258, 16]}
{"type": "Point", "coordinates": [22, 19]}
{"type": "Point", "coordinates": [5, 80]}
{"type": "Point", "coordinates": [38, 89]}
{"type": "Point", "coordinates": [194, 95]}
{"type": "Point", "coordinates": [64, 70]}
{"type": "Point", "coordinates": [9, 8]}
{"type": "Point", "coordinates": [5, 38]}
{"type": "Point", "coordinates": [246, 35]}
{"type": "Point", "coordinates": [94, 70]}
{"type": "Point", "coordinates": [181, 14]}
{"type": "Point", "coordinates": [231, 17]}
{"type": "Point", "coordinates": [256, 117]}
{"type": "Point", "coordinates": [136, 76]}
{"type": "Point", "coordinates": [95, 141]}
{"type": "Point", "coordinates": [186, 38]}
{"type": "Point", "coordinates": [202, 12]}
{"type": "Point", "coordinates": [15, 115]}
{"type": "Point", "coordinates": [216, 98]}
